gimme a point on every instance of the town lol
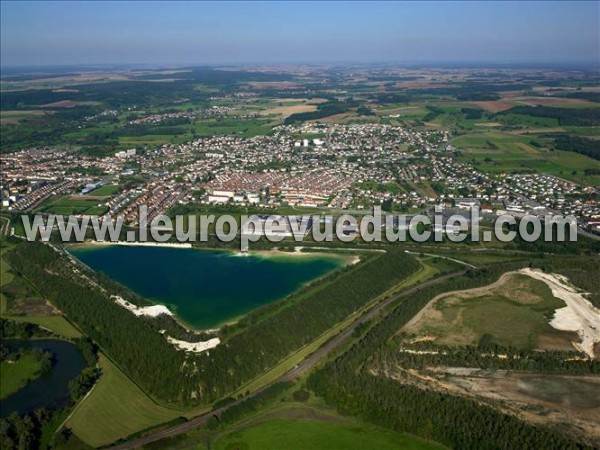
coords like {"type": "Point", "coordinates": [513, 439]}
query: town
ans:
{"type": "Point", "coordinates": [299, 225]}
{"type": "Point", "coordinates": [339, 167]}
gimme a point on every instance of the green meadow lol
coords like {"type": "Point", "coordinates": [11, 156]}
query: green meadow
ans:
{"type": "Point", "coordinates": [15, 375]}
{"type": "Point", "coordinates": [286, 434]}
{"type": "Point", "coordinates": [497, 152]}
{"type": "Point", "coordinates": [66, 205]}
{"type": "Point", "coordinates": [108, 189]}
{"type": "Point", "coordinates": [115, 409]}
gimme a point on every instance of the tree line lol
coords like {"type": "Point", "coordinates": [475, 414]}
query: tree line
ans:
{"type": "Point", "coordinates": [458, 422]}
{"type": "Point", "coordinates": [258, 343]}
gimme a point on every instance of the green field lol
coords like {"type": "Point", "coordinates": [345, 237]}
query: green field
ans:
{"type": "Point", "coordinates": [514, 313]}
{"type": "Point", "coordinates": [13, 117]}
{"type": "Point", "coordinates": [55, 323]}
{"type": "Point", "coordinates": [584, 131]}
{"type": "Point", "coordinates": [205, 127]}
{"type": "Point", "coordinates": [108, 189]}
{"type": "Point", "coordinates": [497, 152]}
{"type": "Point", "coordinates": [106, 415]}
{"type": "Point", "coordinates": [242, 127]}
{"type": "Point", "coordinates": [282, 434]}
{"type": "Point", "coordinates": [65, 205]}
{"type": "Point", "coordinates": [115, 409]}
{"type": "Point", "coordinates": [151, 139]}
{"type": "Point", "coordinates": [5, 277]}
{"type": "Point", "coordinates": [16, 375]}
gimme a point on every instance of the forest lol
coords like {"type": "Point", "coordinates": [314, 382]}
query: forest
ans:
{"type": "Point", "coordinates": [349, 385]}
{"type": "Point", "coordinates": [323, 110]}
{"type": "Point", "coordinates": [565, 116]}
{"type": "Point", "coordinates": [260, 342]}
{"type": "Point", "coordinates": [38, 429]}
{"type": "Point", "coordinates": [486, 356]}
{"type": "Point", "coordinates": [577, 144]}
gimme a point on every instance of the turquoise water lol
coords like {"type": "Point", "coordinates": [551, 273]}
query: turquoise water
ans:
{"type": "Point", "coordinates": [205, 288]}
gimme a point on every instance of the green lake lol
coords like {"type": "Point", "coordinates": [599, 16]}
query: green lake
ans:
{"type": "Point", "coordinates": [206, 288]}
{"type": "Point", "coordinates": [51, 390]}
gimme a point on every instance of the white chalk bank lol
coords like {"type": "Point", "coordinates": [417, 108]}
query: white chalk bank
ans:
{"type": "Point", "coordinates": [195, 347]}
{"type": "Point", "coordinates": [152, 311]}
{"type": "Point", "coordinates": [579, 315]}
{"type": "Point", "coordinates": [157, 310]}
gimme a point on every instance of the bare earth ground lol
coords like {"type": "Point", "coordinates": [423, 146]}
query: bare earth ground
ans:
{"type": "Point", "coordinates": [335, 118]}
{"type": "Point", "coordinates": [569, 402]}
{"type": "Point", "coordinates": [88, 197]}
{"type": "Point", "coordinates": [576, 324]}
{"type": "Point", "coordinates": [61, 104]}
{"type": "Point", "coordinates": [493, 105]}
{"type": "Point", "coordinates": [288, 110]}
{"type": "Point", "coordinates": [13, 117]}
{"type": "Point", "coordinates": [528, 149]}
{"type": "Point", "coordinates": [510, 100]}
{"type": "Point", "coordinates": [32, 306]}
{"type": "Point", "coordinates": [488, 124]}
{"type": "Point", "coordinates": [411, 325]}
{"type": "Point", "coordinates": [579, 315]}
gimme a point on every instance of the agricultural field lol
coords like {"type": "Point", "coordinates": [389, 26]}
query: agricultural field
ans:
{"type": "Point", "coordinates": [286, 107]}
{"type": "Point", "coordinates": [301, 434]}
{"type": "Point", "coordinates": [496, 140]}
{"type": "Point", "coordinates": [14, 117]}
{"type": "Point", "coordinates": [53, 322]}
{"type": "Point", "coordinates": [498, 152]}
{"type": "Point", "coordinates": [494, 130]}
{"type": "Point", "coordinates": [115, 408]}
{"type": "Point", "coordinates": [242, 127]}
{"type": "Point", "coordinates": [126, 142]}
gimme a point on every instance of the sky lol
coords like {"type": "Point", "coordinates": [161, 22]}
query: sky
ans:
{"type": "Point", "coordinates": [188, 33]}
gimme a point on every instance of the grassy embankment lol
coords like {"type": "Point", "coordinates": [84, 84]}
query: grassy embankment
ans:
{"type": "Point", "coordinates": [114, 386]}
{"type": "Point", "coordinates": [513, 313]}
{"type": "Point", "coordinates": [15, 375]}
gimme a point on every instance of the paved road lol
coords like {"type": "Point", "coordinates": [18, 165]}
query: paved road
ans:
{"type": "Point", "coordinates": [593, 236]}
{"type": "Point", "coordinates": [5, 225]}
{"type": "Point", "coordinates": [458, 261]}
{"type": "Point", "coordinates": [303, 366]}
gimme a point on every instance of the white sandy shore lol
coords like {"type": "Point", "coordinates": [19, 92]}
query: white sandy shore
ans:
{"type": "Point", "coordinates": [275, 252]}
{"type": "Point", "coordinates": [195, 347]}
{"type": "Point", "coordinates": [298, 252]}
{"type": "Point", "coordinates": [157, 310]}
{"type": "Point", "coordinates": [152, 311]}
{"type": "Point", "coordinates": [143, 244]}
{"type": "Point", "coordinates": [579, 314]}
